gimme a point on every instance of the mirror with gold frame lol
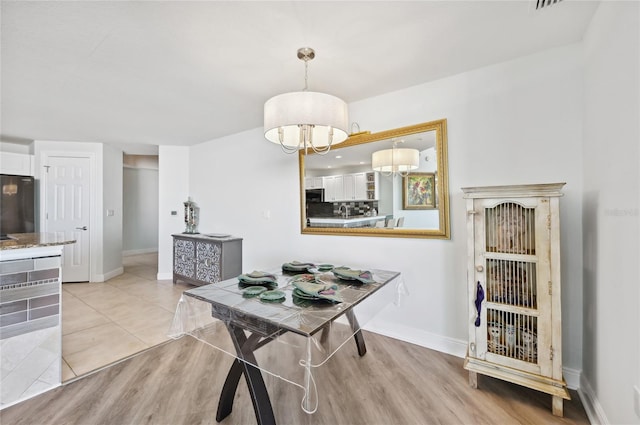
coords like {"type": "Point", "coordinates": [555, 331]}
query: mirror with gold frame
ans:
{"type": "Point", "coordinates": [341, 194]}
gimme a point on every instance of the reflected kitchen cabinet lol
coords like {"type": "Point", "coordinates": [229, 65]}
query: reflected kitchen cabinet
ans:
{"type": "Point", "coordinates": [333, 188]}
{"type": "Point", "coordinates": [355, 187]}
{"type": "Point", "coordinates": [313, 183]}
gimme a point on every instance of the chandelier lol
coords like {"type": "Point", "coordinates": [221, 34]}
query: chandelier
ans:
{"type": "Point", "coordinates": [305, 119]}
{"type": "Point", "coordinates": [395, 160]}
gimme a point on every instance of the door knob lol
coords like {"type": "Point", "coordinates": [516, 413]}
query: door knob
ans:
{"type": "Point", "coordinates": [82, 228]}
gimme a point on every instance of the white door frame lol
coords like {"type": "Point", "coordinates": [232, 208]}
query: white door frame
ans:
{"type": "Point", "coordinates": [95, 222]}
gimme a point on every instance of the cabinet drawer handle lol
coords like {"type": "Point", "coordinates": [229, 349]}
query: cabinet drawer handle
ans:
{"type": "Point", "coordinates": [479, 268]}
{"type": "Point", "coordinates": [207, 262]}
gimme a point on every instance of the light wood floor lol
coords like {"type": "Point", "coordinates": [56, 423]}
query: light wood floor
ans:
{"type": "Point", "coordinates": [179, 382]}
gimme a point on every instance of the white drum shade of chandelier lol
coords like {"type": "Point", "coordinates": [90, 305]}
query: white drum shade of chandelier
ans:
{"type": "Point", "coordinates": [306, 119]}
{"type": "Point", "coordinates": [391, 161]}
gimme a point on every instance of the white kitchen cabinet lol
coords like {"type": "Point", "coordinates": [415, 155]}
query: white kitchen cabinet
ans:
{"type": "Point", "coordinates": [333, 188]}
{"type": "Point", "coordinates": [347, 187]}
{"type": "Point", "coordinates": [355, 187]}
{"type": "Point", "coordinates": [360, 186]}
{"type": "Point", "coordinates": [20, 164]}
{"type": "Point", "coordinates": [349, 182]}
{"type": "Point", "coordinates": [515, 321]}
{"type": "Point", "coordinates": [313, 183]}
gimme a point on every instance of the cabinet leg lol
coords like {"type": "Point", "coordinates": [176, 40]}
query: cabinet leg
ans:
{"type": "Point", "coordinates": [557, 405]}
{"type": "Point", "coordinates": [473, 379]}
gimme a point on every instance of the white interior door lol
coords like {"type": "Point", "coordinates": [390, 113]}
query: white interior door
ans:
{"type": "Point", "coordinates": [67, 211]}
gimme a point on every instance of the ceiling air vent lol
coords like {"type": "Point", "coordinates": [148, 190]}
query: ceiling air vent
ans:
{"type": "Point", "coordinates": [545, 3]}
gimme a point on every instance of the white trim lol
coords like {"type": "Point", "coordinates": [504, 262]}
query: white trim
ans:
{"type": "Point", "coordinates": [590, 402]}
{"type": "Point", "coordinates": [572, 377]}
{"type": "Point", "coordinates": [164, 276]}
{"type": "Point", "coordinates": [139, 251]}
{"type": "Point", "coordinates": [109, 275]}
{"type": "Point", "coordinates": [452, 346]}
{"type": "Point", "coordinates": [455, 347]}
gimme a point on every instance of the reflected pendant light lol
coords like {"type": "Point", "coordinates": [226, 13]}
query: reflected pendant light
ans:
{"type": "Point", "coordinates": [395, 161]}
{"type": "Point", "coordinates": [304, 119]}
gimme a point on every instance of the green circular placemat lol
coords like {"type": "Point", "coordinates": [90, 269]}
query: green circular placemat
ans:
{"type": "Point", "coordinates": [252, 291]}
{"type": "Point", "coordinates": [274, 295]}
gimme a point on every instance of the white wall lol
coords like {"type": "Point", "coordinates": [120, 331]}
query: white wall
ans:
{"type": "Point", "coordinates": [112, 204]}
{"type": "Point", "coordinates": [173, 190]}
{"type": "Point", "coordinates": [611, 214]}
{"type": "Point", "coordinates": [140, 210]}
{"type": "Point", "coordinates": [516, 122]}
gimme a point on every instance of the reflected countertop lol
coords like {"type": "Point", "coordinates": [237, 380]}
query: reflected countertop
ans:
{"type": "Point", "coordinates": [355, 221]}
{"type": "Point", "coordinates": [34, 240]}
{"type": "Point", "coordinates": [346, 220]}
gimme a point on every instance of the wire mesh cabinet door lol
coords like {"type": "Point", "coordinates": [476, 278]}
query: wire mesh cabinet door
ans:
{"type": "Point", "coordinates": [514, 287]}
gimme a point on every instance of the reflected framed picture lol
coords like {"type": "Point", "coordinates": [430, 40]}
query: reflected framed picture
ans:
{"type": "Point", "coordinates": [419, 191]}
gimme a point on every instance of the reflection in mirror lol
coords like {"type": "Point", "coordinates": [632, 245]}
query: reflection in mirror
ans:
{"type": "Point", "coordinates": [341, 194]}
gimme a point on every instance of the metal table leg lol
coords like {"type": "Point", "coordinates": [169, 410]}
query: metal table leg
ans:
{"type": "Point", "coordinates": [244, 365]}
{"type": "Point", "coordinates": [355, 326]}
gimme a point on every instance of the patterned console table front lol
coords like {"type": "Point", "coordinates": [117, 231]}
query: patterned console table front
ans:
{"type": "Point", "coordinates": [200, 259]}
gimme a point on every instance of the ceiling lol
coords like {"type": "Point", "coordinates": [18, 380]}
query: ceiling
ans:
{"type": "Point", "coordinates": [358, 155]}
{"type": "Point", "coordinates": [142, 74]}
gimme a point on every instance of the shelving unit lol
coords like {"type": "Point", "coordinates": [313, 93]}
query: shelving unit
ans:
{"type": "Point", "coordinates": [372, 186]}
{"type": "Point", "coordinates": [515, 329]}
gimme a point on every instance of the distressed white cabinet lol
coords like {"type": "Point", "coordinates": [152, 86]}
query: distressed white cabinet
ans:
{"type": "Point", "coordinates": [515, 328]}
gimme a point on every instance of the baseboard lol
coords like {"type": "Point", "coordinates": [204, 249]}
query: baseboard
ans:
{"type": "Point", "coordinates": [164, 276]}
{"type": "Point", "coordinates": [452, 346]}
{"type": "Point", "coordinates": [139, 251]}
{"type": "Point", "coordinates": [572, 377]}
{"type": "Point", "coordinates": [108, 275]}
{"type": "Point", "coordinates": [592, 407]}
{"type": "Point", "coordinates": [455, 347]}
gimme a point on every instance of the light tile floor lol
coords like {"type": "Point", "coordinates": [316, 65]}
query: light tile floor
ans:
{"type": "Point", "coordinates": [105, 322]}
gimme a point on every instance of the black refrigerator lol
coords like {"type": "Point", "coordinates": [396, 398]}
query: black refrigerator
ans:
{"type": "Point", "coordinates": [17, 205]}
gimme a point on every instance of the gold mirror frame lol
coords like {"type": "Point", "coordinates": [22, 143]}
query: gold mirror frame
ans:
{"type": "Point", "coordinates": [442, 185]}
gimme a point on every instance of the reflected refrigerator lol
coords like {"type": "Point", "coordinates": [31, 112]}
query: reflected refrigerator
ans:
{"type": "Point", "coordinates": [17, 204]}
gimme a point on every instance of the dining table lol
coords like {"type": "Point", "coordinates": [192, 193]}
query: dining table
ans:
{"type": "Point", "coordinates": [307, 329]}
